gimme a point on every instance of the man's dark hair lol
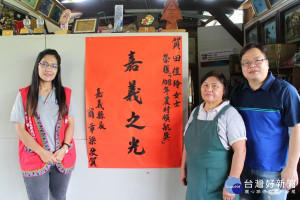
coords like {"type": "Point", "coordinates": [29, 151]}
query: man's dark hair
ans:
{"type": "Point", "coordinates": [252, 45]}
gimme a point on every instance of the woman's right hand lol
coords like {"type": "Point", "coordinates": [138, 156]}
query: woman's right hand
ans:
{"type": "Point", "coordinates": [183, 176]}
{"type": "Point", "coordinates": [183, 167]}
{"type": "Point", "coordinates": [31, 143]}
{"type": "Point", "coordinates": [47, 156]}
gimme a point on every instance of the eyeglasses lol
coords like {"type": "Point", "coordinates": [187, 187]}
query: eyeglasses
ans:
{"type": "Point", "coordinates": [255, 62]}
{"type": "Point", "coordinates": [45, 65]}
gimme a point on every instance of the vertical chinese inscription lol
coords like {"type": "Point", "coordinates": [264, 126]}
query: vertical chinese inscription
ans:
{"type": "Point", "coordinates": [96, 125]}
{"type": "Point", "coordinates": [171, 86]}
{"type": "Point", "coordinates": [134, 94]}
{"type": "Point", "coordinates": [134, 101]}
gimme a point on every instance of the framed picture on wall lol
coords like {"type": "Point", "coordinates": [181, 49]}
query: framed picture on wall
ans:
{"type": "Point", "coordinates": [46, 7]}
{"type": "Point", "coordinates": [272, 2]}
{"type": "Point", "coordinates": [251, 34]}
{"type": "Point", "coordinates": [269, 31]}
{"type": "Point", "coordinates": [89, 25]}
{"type": "Point", "coordinates": [259, 6]}
{"type": "Point", "coordinates": [292, 24]}
{"type": "Point", "coordinates": [31, 3]}
{"type": "Point", "coordinates": [56, 13]}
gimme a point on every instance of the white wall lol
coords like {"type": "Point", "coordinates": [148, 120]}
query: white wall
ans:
{"type": "Point", "coordinates": [215, 38]}
{"type": "Point", "coordinates": [17, 57]}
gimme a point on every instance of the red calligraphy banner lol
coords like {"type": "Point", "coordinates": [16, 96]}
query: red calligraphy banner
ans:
{"type": "Point", "coordinates": [134, 101]}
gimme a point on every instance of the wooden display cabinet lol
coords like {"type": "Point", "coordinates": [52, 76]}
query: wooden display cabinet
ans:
{"type": "Point", "coordinates": [289, 73]}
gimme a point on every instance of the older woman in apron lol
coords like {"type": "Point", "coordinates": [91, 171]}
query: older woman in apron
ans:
{"type": "Point", "coordinates": [214, 143]}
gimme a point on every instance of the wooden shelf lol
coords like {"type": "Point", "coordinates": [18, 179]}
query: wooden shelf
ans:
{"type": "Point", "coordinates": [285, 67]}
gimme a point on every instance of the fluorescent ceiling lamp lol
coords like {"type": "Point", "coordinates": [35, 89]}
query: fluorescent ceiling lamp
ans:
{"type": "Point", "coordinates": [74, 16]}
{"type": "Point", "coordinates": [143, 10]}
{"type": "Point", "coordinates": [72, 1]}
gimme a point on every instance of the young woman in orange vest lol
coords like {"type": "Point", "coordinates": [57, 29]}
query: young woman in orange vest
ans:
{"type": "Point", "coordinates": [44, 122]}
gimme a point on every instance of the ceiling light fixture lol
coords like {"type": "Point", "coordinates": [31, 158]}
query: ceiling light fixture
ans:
{"type": "Point", "coordinates": [72, 1]}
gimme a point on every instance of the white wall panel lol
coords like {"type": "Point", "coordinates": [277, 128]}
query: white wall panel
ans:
{"type": "Point", "coordinates": [17, 57]}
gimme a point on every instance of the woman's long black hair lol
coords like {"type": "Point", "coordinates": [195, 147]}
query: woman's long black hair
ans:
{"type": "Point", "coordinates": [33, 93]}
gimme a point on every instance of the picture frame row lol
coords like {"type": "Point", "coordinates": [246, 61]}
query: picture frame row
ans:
{"type": "Point", "coordinates": [260, 6]}
{"type": "Point", "coordinates": [50, 9]}
{"type": "Point", "coordinates": [281, 27]}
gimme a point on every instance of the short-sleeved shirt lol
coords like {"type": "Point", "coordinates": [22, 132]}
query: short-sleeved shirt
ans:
{"type": "Point", "coordinates": [231, 127]}
{"type": "Point", "coordinates": [47, 109]}
{"type": "Point", "coordinates": [267, 113]}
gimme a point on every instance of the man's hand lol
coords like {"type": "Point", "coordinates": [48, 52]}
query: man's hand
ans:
{"type": "Point", "coordinates": [290, 178]}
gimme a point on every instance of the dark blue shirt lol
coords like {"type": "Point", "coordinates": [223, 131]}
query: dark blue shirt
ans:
{"type": "Point", "coordinates": [267, 113]}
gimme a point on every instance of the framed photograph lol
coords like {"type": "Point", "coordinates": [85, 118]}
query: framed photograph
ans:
{"type": "Point", "coordinates": [273, 2]}
{"type": "Point", "coordinates": [269, 31]}
{"type": "Point", "coordinates": [259, 6]}
{"type": "Point", "coordinates": [89, 25]}
{"type": "Point", "coordinates": [251, 34]}
{"type": "Point", "coordinates": [56, 13]}
{"type": "Point", "coordinates": [292, 24]}
{"type": "Point", "coordinates": [46, 7]}
{"type": "Point", "coordinates": [31, 3]}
